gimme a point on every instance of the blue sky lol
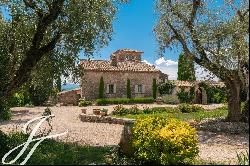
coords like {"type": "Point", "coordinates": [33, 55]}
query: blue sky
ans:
{"type": "Point", "coordinates": [133, 28]}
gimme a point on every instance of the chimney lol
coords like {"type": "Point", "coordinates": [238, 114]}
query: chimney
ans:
{"type": "Point", "coordinates": [113, 60]}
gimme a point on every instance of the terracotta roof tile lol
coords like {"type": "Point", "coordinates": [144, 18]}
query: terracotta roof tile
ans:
{"type": "Point", "coordinates": [102, 65]}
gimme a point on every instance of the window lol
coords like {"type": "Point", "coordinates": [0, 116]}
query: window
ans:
{"type": "Point", "coordinates": [139, 89]}
{"type": "Point", "coordinates": [111, 88]}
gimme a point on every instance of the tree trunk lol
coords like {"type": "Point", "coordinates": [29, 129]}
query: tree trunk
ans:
{"type": "Point", "coordinates": [234, 110]}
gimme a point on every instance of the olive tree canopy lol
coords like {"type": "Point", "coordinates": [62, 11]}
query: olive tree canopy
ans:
{"type": "Point", "coordinates": [214, 34]}
{"type": "Point", "coordinates": [53, 31]}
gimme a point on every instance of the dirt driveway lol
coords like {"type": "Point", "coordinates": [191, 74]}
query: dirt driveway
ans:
{"type": "Point", "coordinates": [213, 146]}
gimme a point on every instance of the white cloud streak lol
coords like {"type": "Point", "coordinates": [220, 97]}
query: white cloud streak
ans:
{"type": "Point", "coordinates": [170, 67]}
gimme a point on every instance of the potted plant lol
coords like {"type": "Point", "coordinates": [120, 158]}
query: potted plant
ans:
{"type": "Point", "coordinates": [104, 112]}
{"type": "Point", "coordinates": [96, 111]}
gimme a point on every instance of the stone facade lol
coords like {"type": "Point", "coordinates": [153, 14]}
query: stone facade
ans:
{"type": "Point", "coordinates": [124, 64]}
{"type": "Point", "coordinates": [91, 80]}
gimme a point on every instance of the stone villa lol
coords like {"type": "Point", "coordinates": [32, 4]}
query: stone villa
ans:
{"type": "Point", "coordinates": [123, 64]}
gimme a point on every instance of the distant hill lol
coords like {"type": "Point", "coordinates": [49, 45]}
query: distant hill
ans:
{"type": "Point", "coordinates": [66, 87]}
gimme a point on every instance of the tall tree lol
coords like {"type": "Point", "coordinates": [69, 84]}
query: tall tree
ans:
{"type": "Point", "coordinates": [101, 88]}
{"type": "Point", "coordinates": [214, 35]}
{"type": "Point", "coordinates": [186, 70]}
{"type": "Point", "coordinates": [154, 87]}
{"type": "Point", "coordinates": [38, 28]}
{"type": "Point", "coordinates": [128, 89]}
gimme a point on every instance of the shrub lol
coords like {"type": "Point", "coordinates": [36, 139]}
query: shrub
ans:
{"type": "Point", "coordinates": [158, 141]}
{"type": "Point", "coordinates": [187, 108]}
{"type": "Point", "coordinates": [84, 103]}
{"type": "Point", "coordinates": [5, 113]}
{"type": "Point", "coordinates": [101, 88]}
{"type": "Point", "coordinates": [215, 94]}
{"type": "Point", "coordinates": [120, 110]}
{"type": "Point", "coordinates": [179, 142]}
{"type": "Point", "coordinates": [154, 86]}
{"type": "Point", "coordinates": [186, 96]}
{"type": "Point", "coordinates": [144, 138]}
{"type": "Point", "coordinates": [166, 88]}
{"type": "Point", "coordinates": [123, 101]}
{"type": "Point", "coordinates": [171, 99]}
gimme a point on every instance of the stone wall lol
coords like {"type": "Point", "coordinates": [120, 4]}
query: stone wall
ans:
{"type": "Point", "coordinates": [69, 97]}
{"type": "Point", "coordinates": [105, 119]}
{"type": "Point", "coordinates": [91, 80]}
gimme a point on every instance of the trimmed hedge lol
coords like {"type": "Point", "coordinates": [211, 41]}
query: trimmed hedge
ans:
{"type": "Point", "coordinates": [84, 103]}
{"type": "Point", "coordinates": [124, 101]}
{"type": "Point", "coordinates": [121, 111]}
{"type": "Point", "coordinates": [186, 108]}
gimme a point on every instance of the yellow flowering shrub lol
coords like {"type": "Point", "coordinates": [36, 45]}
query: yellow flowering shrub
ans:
{"type": "Point", "coordinates": [160, 141]}
{"type": "Point", "coordinates": [144, 139]}
{"type": "Point", "coordinates": [179, 142]}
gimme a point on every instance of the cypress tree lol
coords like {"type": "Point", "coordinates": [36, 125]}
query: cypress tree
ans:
{"type": "Point", "coordinates": [128, 89]}
{"type": "Point", "coordinates": [101, 88]}
{"type": "Point", "coordinates": [154, 88]}
{"type": "Point", "coordinates": [186, 71]}
{"type": "Point", "coordinates": [59, 84]}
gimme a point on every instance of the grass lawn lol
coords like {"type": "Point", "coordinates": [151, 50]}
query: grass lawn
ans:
{"type": "Point", "coordinates": [197, 116]}
{"type": "Point", "coordinates": [51, 152]}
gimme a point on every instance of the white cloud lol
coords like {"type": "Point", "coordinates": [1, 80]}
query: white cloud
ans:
{"type": "Point", "coordinates": [170, 67]}
{"type": "Point", "coordinates": [145, 61]}
{"type": "Point", "coordinates": [162, 61]}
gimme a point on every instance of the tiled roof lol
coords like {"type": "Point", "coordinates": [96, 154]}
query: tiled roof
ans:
{"type": "Point", "coordinates": [125, 51]}
{"type": "Point", "coordinates": [102, 65]}
{"type": "Point", "coordinates": [192, 83]}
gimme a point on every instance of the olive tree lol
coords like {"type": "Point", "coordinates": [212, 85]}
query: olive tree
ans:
{"type": "Point", "coordinates": [36, 29]}
{"type": "Point", "coordinates": [214, 35]}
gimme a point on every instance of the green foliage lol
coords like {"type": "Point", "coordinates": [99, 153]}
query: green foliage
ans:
{"type": "Point", "coordinates": [166, 88]}
{"type": "Point", "coordinates": [59, 84]}
{"type": "Point", "coordinates": [101, 88]}
{"type": "Point", "coordinates": [5, 113]}
{"type": "Point", "coordinates": [84, 103]}
{"type": "Point", "coordinates": [243, 158]}
{"type": "Point", "coordinates": [215, 94]}
{"type": "Point", "coordinates": [186, 96]}
{"type": "Point", "coordinates": [43, 39]}
{"type": "Point", "coordinates": [154, 86]}
{"type": "Point", "coordinates": [128, 89]}
{"type": "Point", "coordinates": [175, 113]}
{"type": "Point", "coordinates": [205, 42]}
{"type": "Point", "coordinates": [40, 93]}
{"type": "Point", "coordinates": [123, 101]}
{"type": "Point", "coordinates": [160, 141]}
{"type": "Point", "coordinates": [187, 108]}
{"type": "Point", "coordinates": [170, 99]}
{"type": "Point", "coordinates": [186, 70]}
{"type": "Point", "coordinates": [51, 152]}
{"type": "Point", "coordinates": [121, 111]}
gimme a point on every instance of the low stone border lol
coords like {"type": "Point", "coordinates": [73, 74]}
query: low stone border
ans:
{"type": "Point", "coordinates": [105, 119]}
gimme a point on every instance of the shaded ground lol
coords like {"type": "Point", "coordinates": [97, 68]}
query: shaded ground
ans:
{"type": "Point", "coordinates": [213, 146]}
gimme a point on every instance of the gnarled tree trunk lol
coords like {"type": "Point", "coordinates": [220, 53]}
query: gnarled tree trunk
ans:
{"type": "Point", "coordinates": [234, 109]}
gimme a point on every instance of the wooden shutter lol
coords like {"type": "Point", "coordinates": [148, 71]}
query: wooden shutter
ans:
{"type": "Point", "coordinates": [136, 88]}
{"type": "Point", "coordinates": [107, 89]}
{"type": "Point", "coordinates": [114, 88]}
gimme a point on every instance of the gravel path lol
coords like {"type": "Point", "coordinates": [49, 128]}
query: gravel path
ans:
{"type": "Point", "coordinates": [213, 146]}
